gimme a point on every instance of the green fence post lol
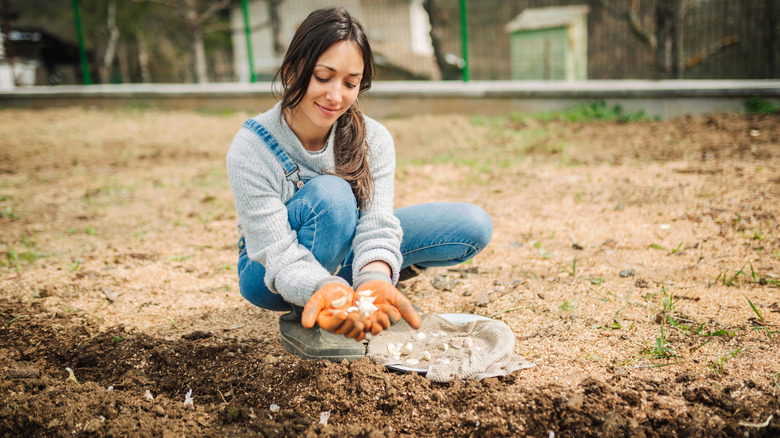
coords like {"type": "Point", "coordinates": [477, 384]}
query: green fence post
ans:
{"type": "Point", "coordinates": [82, 50]}
{"type": "Point", "coordinates": [248, 32]}
{"type": "Point", "coordinates": [464, 35]}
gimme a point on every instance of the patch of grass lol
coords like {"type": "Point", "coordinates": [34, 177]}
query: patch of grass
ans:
{"type": "Point", "coordinates": [542, 252]}
{"type": "Point", "coordinates": [719, 365]}
{"type": "Point", "coordinates": [8, 213]}
{"type": "Point", "coordinates": [669, 302]}
{"type": "Point", "coordinates": [595, 111]}
{"type": "Point", "coordinates": [661, 348]}
{"type": "Point", "coordinates": [180, 258]}
{"type": "Point", "coordinates": [755, 310]}
{"type": "Point", "coordinates": [566, 307]}
{"type": "Point", "coordinates": [16, 319]}
{"type": "Point", "coordinates": [14, 257]}
{"type": "Point", "coordinates": [573, 271]}
{"type": "Point", "coordinates": [759, 105]}
{"type": "Point", "coordinates": [74, 265]}
{"type": "Point", "coordinates": [753, 276]}
{"type": "Point", "coordinates": [117, 339]}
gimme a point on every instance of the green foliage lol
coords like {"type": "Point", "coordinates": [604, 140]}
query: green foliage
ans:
{"type": "Point", "coordinates": [596, 111]}
{"type": "Point", "coordinates": [759, 105]}
{"type": "Point", "coordinates": [755, 310]}
{"type": "Point", "coordinates": [720, 364]}
{"type": "Point", "coordinates": [661, 348]}
{"type": "Point", "coordinates": [566, 307]}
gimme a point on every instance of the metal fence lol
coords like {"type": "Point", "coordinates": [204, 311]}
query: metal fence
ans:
{"type": "Point", "coordinates": [413, 39]}
{"type": "Point", "coordinates": [633, 39]}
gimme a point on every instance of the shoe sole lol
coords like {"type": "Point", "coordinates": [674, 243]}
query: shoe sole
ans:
{"type": "Point", "coordinates": [343, 348]}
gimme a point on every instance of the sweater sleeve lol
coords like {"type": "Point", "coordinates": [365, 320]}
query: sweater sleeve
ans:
{"type": "Point", "coordinates": [290, 269]}
{"type": "Point", "coordinates": [378, 233]}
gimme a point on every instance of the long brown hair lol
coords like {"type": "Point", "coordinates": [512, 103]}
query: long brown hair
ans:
{"type": "Point", "coordinates": [320, 30]}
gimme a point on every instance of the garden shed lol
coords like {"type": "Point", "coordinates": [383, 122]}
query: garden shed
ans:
{"type": "Point", "coordinates": [549, 43]}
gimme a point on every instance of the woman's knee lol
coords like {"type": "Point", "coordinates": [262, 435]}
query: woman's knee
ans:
{"type": "Point", "coordinates": [479, 224]}
{"type": "Point", "coordinates": [332, 190]}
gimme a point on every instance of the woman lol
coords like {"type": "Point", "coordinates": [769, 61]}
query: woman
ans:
{"type": "Point", "coordinates": [312, 182]}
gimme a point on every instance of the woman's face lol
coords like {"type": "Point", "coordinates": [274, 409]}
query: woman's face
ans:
{"type": "Point", "coordinates": [334, 86]}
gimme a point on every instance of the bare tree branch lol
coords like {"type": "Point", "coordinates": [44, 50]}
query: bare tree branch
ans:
{"type": "Point", "coordinates": [632, 16]}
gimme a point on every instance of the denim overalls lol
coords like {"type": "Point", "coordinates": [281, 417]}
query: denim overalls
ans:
{"type": "Point", "coordinates": [291, 170]}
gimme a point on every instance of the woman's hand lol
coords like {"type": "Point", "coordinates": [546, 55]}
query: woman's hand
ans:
{"type": "Point", "coordinates": [391, 304]}
{"type": "Point", "coordinates": [329, 306]}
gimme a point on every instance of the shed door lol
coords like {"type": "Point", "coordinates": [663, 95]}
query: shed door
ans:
{"type": "Point", "coordinates": [539, 54]}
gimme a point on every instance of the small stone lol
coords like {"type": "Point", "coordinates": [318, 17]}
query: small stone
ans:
{"type": "Point", "coordinates": [627, 273]}
{"type": "Point", "coordinates": [442, 282]}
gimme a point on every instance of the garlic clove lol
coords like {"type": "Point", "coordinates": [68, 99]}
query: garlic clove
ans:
{"type": "Point", "coordinates": [445, 346]}
{"type": "Point", "coordinates": [412, 361]}
{"type": "Point", "coordinates": [339, 302]}
{"type": "Point", "coordinates": [468, 342]}
{"type": "Point", "coordinates": [408, 348]}
{"type": "Point", "coordinates": [426, 355]}
{"type": "Point", "coordinates": [419, 336]}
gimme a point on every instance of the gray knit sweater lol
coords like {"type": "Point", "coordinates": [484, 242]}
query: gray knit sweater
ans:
{"type": "Point", "coordinates": [260, 192]}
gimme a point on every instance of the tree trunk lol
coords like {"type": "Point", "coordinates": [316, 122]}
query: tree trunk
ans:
{"type": "Point", "coordinates": [276, 26]}
{"type": "Point", "coordinates": [437, 17]}
{"type": "Point", "coordinates": [124, 65]}
{"type": "Point", "coordinates": [113, 39]}
{"type": "Point", "coordinates": [143, 58]}
{"type": "Point", "coordinates": [666, 20]}
{"type": "Point", "coordinates": [196, 37]}
{"type": "Point", "coordinates": [201, 72]}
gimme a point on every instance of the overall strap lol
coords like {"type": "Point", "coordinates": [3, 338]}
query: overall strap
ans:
{"type": "Point", "coordinates": [291, 170]}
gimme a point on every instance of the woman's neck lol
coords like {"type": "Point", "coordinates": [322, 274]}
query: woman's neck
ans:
{"type": "Point", "coordinates": [313, 138]}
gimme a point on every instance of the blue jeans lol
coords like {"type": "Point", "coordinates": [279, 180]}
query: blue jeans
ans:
{"type": "Point", "coordinates": [324, 214]}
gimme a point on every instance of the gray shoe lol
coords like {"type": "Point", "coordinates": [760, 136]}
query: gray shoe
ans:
{"type": "Point", "coordinates": [316, 343]}
{"type": "Point", "coordinates": [410, 272]}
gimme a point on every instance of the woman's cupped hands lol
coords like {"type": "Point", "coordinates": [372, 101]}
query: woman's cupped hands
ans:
{"type": "Point", "coordinates": [374, 306]}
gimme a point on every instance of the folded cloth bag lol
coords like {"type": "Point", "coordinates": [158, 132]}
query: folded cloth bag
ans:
{"type": "Point", "coordinates": [444, 350]}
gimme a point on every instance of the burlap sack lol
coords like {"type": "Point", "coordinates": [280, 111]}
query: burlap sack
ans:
{"type": "Point", "coordinates": [475, 350]}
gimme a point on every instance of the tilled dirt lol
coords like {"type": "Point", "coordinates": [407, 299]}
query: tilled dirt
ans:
{"type": "Point", "coordinates": [637, 263]}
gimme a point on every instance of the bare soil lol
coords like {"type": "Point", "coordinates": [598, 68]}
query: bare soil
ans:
{"type": "Point", "coordinates": [637, 263]}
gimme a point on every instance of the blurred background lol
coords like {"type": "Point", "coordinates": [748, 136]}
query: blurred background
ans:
{"type": "Point", "coordinates": [51, 42]}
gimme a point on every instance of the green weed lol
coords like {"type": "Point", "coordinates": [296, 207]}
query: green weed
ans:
{"type": "Point", "coordinates": [573, 271]}
{"type": "Point", "coordinates": [720, 364]}
{"type": "Point", "coordinates": [566, 307]}
{"type": "Point", "coordinates": [117, 339]}
{"type": "Point", "coordinates": [173, 323]}
{"type": "Point", "coordinates": [595, 111]}
{"type": "Point", "coordinates": [542, 252]}
{"type": "Point", "coordinates": [661, 349]}
{"type": "Point", "coordinates": [759, 105]}
{"type": "Point", "coordinates": [8, 213]}
{"type": "Point", "coordinates": [755, 310]}
{"type": "Point", "coordinates": [16, 319]}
